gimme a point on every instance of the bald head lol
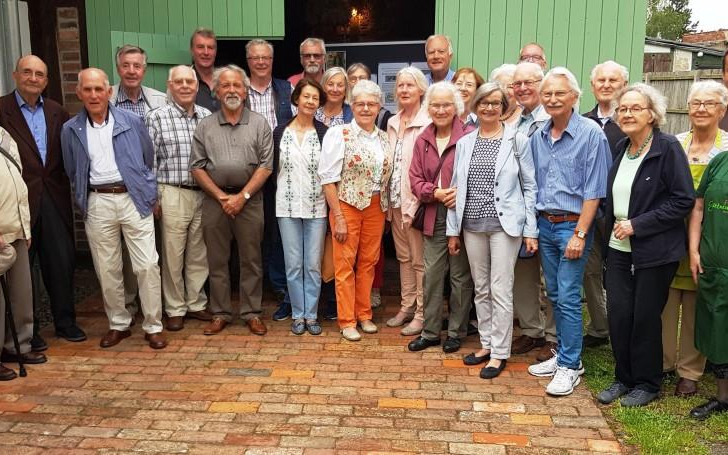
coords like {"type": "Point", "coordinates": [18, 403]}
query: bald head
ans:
{"type": "Point", "coordinates": [94, 91]}
{"type": "Point", "coordinates": [182, 86]}
{"type": "Point", "coordinates": [31, 78]}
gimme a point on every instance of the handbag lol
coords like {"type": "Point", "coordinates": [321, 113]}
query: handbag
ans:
{"type": "Point", "coordinates": [418, 221]}
{"type": "Point", "coordinates": [327, 260]}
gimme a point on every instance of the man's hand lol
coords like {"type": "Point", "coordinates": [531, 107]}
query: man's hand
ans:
{"type": "Point", "coordinates": [234, 205]}
{"type": "Point", "coordinates": [531, 245]}
{"type": "Point", "coordinates": [453, 245]}
{"type": "Point", "coordinates": [696, 269]}
{"type": "Point", "coordinates": [157, 210]}
{"type": "Point", "coordinates": [575, 248]}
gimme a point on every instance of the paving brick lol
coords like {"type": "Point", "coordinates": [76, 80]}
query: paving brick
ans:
{"type": "Point", "coordinates": [559, 442]}
{"type": "Point", "coordinates": [12, 406]}
{"type": "Point", "coordinates": [531, 419]}
{"type": "Point", "coordinates": [38, 428]}
{"type": "Point", "coordinates": [233, 406]}
{"type": "Point", "coordinates": [600, 445]}
{"type": "Point", "coordinates": [251, 440]}
{"type": "Point", "coordinates": [92, 432]}
{"type": "Point", "coordinates": [502, 439]}
{"type": "Point", "coordinates": [447, 436]}
{"type": "Point", "coordinates": [307, 441]}
{"type": "Point", "coordinates": [476, 449]}
{"type": "Point", "coordinates": [401, 403]}
{"type": "Point", "coordinates": [499, 407]}
{"type": "Point", "coordinates": [161, 446]}
{"type": "Point", "coordinates": [107, 443]}
{"type": "Point", "coordinates": [280, 373]}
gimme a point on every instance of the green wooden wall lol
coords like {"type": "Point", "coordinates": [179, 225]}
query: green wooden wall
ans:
{"type": "Point", "coordinates": [163, 28]}
{"type": "Point", "coordinates": [577, 34]}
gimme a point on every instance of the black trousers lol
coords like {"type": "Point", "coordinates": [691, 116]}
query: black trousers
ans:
{"type": "Point", "coordinates": [635, 299]}
{"type": "Point", "coordinates": [52, 243]}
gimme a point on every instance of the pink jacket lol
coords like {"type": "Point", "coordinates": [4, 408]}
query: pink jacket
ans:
{"type": "Point", "coordinates": [418, 124]}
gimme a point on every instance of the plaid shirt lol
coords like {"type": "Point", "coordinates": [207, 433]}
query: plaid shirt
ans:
{"type": "Point", "coordinates": [264, 104]}
{"type": "Point", "coordinates": [140, 107]}
{"type": "Point", "coordinates": [172, 130]}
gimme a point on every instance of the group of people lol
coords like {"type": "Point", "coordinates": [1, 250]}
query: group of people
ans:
{"type": "Point", "coordinates": [490, 188]}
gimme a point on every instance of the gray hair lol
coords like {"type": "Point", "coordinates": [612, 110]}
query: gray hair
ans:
{"type": "Point", "coordinates": [107, 85]}
{"type": "Point", "coordinates": [561, 71]}
{"type": "Point", "coordinates": [234, 68]}
{"type": "Point", "coordinates": [366, 88]}
{"type": "Point", "coordinates": [445, 37]}
{"type": "Point", "coordinates": [531, 68]}
{"type": "Point", "coordinates": [656, 101]}
{"type": "Point", "coordinates": [333, 71]}
{"type": "Point", "coordinates": [257, 42]}
{"type": "Point", "coordinates": [447, 87]}
{"type": "Point", "coordinates": [130, 49]}
{"type": "Point", "coordinates": [203, 32]}
{"type": "Point", "coordinates": [622, 69]}
{"type": "Point", "coordinates": [487, 89]}
{"type": "Point", "coordinates": [313, 42]}
{"type": "Point", "coordinates": [179, 67]}
{"type": "Point", "coordinates": [505, 70]}
{"type": "Point", "coordinates": [416, 74]}
{"type": "Point", "coordinates": [358, 66]}
{"type": "Point", "coordinates": [711, 87]}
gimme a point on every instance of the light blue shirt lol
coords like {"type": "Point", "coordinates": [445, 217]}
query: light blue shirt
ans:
{"type": "Point", "coordinates": [571, 169]}
{"type": "Point", "coordinates": [35, 119]}
{"type": "Point", "coordinates": [448, 77]}
{"type": "Point", "coordinates": [529, 123]}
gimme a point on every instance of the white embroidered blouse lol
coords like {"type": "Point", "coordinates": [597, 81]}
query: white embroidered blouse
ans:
{"type": "Point", "coordinates": [299, 193]}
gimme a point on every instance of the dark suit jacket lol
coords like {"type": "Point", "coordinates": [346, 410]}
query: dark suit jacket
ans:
{"type": "Point", "coordinates": [39, 178]}
{"type": "Point", "coordinates": [611, 130]}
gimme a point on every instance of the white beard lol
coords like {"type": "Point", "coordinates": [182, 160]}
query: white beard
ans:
{"type": "Point", "coordinates": [232, 103]}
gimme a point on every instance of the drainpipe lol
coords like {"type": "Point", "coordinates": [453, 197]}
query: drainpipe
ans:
{"type": "Point", "coordinates": [9, 42]}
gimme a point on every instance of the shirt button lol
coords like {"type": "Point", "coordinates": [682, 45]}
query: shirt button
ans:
{"type": "Point", "coordinates": [500, 213]}
{"type": "Point", "coordinates": [497, 199]}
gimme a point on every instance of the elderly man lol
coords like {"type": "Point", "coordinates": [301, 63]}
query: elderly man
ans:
{"type": "Point", "coordinates": [607, 79]}
{"type": "Point", "coordinates": [184, 256]}
{"type": "Point", "coordinates": [313, 57]}
{"type": "Point", "coordinates": [572, 158]}
{"type": "Point", "coordinates": [109, 158]}
{"type": "Point", "coordinates": [232, 156]}
{"type": "Point", "coordinates": [534, 53]}
{"type": "Point", "coordinates": [538, 330]}
{"type": "Point", "coordinates": [270, 98]}
{"type": "Point", "coordinates": [203, 47]}
{"type": "Point", "coordinates": [130, 94]}
{"type": "Point", "coordinates": [15, 235]}
{"type": "Point", "coordinates": [35, 122]}
{"type": "Point", "coordinates": [438, 52]}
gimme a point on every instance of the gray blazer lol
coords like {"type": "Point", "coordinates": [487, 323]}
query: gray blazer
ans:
{"type": "Point", "coordinates": [154, 98]}
{"type": "Point", "coordinates": [515, 189]}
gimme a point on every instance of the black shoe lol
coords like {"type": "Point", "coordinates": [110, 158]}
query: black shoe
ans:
{"type": "Point", "coordinates": [38, 344]}
{"type": "Point", "coordinates": [472, 330]}
{"type": "Point", "coordinates": [492, 372]}
{"type": "Point", "coordinates": [330, 311]}
{"type": "Point", "coordinates": [283, 312]}
{"type": "Point", "coordinates": [72, 333]}
{"type": "Point", "coordinates": [420, 343]}
{"type": "Point", "coordinates": [472, 359]}
{"type": "Point", "coordinates": [705, 410]}
{"type": "Point", "coordinates": [451, 345]}
{"type": "Point", "coordinates": [590, 341]}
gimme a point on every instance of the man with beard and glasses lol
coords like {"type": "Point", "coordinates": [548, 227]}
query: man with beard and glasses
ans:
{"type": "Point", "coordinates": [313, 54]}
{"type": "Point", "coordinates": [232, 156]}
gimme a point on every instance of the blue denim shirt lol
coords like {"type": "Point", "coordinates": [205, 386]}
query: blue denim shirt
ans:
{"type": "Point", "coordinates": [572, 169]}
{"type": "Point", "coordinates": [133, 153]}
{"type": "Point", "coordinates": [36, 123]}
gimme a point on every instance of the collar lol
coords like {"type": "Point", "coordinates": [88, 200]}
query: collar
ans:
{"type": "Point", "coordinates": [358, 131]}
{"type": "Point", "coordinates": [448, 77]}
{"type": "Point", "coordinates": [91, 122]}
{"type": "Point", "coordinates": [182, 112]}
{"type": "Point", "coordinates": [243, 120]}
{"type": "Point", "coordinates": [571, 127]}
{"type": "Point", "coordinates": [689, 139]}
{"type": "Point", "coordinates": [267, 87]}
{"type": "Point", "coordinates": [601, 115]}
{"type": "Point", "coordinates": [22, 102]}
{"type": "Point", "coordinates": [121, 96]}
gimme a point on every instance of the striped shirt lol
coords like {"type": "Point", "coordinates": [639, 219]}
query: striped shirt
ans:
{"type": "Point", "coordinates": [571, 169]}
{"type": "Point", "coordinates": [139, 107]}
{"type": "Point", "coordinates": [264, 104]}
{"type": "Point", "coordinates": [171, 130]}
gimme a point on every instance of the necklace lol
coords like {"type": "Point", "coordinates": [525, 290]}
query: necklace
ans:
{"type": "Point", "coordinates": [497, 132]}
{"type": "Point", "coordinates": [639, 150]}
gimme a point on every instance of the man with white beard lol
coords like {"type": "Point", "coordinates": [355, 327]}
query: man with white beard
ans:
{"type": "Point", "coordinates": [313, 55]}
{"type": "Point", "coordinates": [232, 156]}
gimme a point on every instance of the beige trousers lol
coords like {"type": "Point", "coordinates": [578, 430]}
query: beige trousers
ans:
{"type": "Point", "coordinates": [527, 301]}
{"type": "Point", "coordinates": [408, 243]}
{"type": "Point", "coordinates": [21, 297]}
{"type": "Point", "coordinates": [681, 354]}
{"type": "Point", "coordinates": [184, 255]}
{"type": "Point", "coordinates": [596, 296]}
{"type": "Point", "coordinates": [108, 216]}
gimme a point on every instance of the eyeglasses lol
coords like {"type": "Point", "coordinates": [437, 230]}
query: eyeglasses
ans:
{"type": "Point", "coordinates": [528, 83]}
{"type": "Point", "coordinates": [433, 52]}
{"type": "Point", "coordinates": [315, 56]}
{"type": "Point", "coordinates": [531, 58]}
{"type": "Point", "coordinates": [468, 85]}
{"type": "Point", "coordinates": [29, 72]}
{"type": "Point", "coordinates": [709, 105]}
{"type": "Point", "coordinates": [634, 110]}
{"type": "Point", "coordinates": [561, 94]}
{"type": "Point", "coordinates": [490, 105]}
{"type": "Point", "coordinates": [260, 58]}
{"type": "Point", "coordinates": [369, 105]}
{"type": "Point", "coordinates": [443, 106]}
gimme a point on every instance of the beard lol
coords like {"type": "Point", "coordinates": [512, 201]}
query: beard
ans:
{"type": "Point", "coordinates": [312, 68]}
{"type": "Point", "coordinates": [232, 102]}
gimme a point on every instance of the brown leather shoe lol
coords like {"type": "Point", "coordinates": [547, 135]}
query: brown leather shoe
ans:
{"type": "Point", "coordinates": [114, 337]}
{"type": "Point", "coordinates": [175, 323]}
{"type": "Point", "coordinates": [256, 326]}
{"type": "Point", "coordinates": [30, 358]}
{"type": "Point", "coordinates": [156, 340]}
{"type": "Point", "coordinates": [686, 388]}
{"type": "Point", "coordinates": [202, 315]}
{"type": "Point", "coordinates": [215, 327]}
{"type": "Point", "coordinates": [6, 374]}
{"type": "Point", "coordinates": [525, 343]}
{"type": "Point", "coordinates": [545, 353]}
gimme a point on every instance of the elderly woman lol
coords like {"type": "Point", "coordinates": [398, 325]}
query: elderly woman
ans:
{"type": "Point", "coordinates": [467, 80]}
{"type": "Point", "coordinates": [430, 176]}
{"type": "Point", "coordinates": [708, 234]}
{"type": "Point", "coordinates": [504, 76]}
{"type": "Point", "coordinates": [493, 219]}
{"type": "Point", "coordinates": [334, 111]}
{"type": "Point", "coordinates": [706, 106]}
{"type": "Point", "coordinates": [649, 194]}
{"type": "Point", "coordinates": [410, 120]}
{"type": "Point", "coordinates": [300, 203]}
{"type": "Point", "coordinates": [355, 168]}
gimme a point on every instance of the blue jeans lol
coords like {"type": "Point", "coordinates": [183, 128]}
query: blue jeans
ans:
{"type": "Point", "coordinates": [303, 247]}
{"type": "Point", "coordinates": [563, 286]}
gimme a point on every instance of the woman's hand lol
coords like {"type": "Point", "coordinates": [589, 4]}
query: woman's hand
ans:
{"type": "Point", "coordinates": [340, 229]}
{"type": "Point", "coordinates": [453, 245]}
{"type": "Point", "coordinates": [623, 229]}
{"type": "Point", "coordinates": [695, 267]}
{"type": "Point", "coordinates": [446, 196]}
{"type": "Point", "coordinates": [531, 245]}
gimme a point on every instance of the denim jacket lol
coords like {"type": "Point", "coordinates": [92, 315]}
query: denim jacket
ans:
{"type": "Point", "coordinates": [133, 153]}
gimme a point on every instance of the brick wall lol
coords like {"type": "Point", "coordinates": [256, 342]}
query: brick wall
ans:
{"type": "Point", "coordinates": [69, 55]}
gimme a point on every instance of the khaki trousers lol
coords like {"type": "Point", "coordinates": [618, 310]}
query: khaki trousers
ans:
{"type": "Point", "coordinates": [408, 243]}
{"type": "Point", "coordinates": [596, 296]}
{"type": "Point", "coordinates": [110, 215]}
{"type": "Point", "coordinates": [21, 298]}
{"type": "Point", "coordinates": [680, 353]}
{"type": "Point", "coordinates": [527, 301]}
{"type": "Point", "coordinates": [218, 230]}
{"type": "Point", "coordinates": [184, 255]}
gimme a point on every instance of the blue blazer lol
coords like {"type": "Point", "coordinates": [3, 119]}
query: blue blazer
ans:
{"type": "Point", "coordinates": [515, 187]}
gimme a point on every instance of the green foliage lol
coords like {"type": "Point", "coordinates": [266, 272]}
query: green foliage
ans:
{"type": "Point", "coordinates": [669, 19]}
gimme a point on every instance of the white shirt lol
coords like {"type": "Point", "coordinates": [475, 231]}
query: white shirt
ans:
{"type": "Point", "coordinates": [332, 153]}
{"type": "Point", "coordinates": [299, 193]}
{"type": "Point", "coordinates": [103, 168]}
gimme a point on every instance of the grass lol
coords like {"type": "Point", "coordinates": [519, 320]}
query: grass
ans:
{"type": "Point", "coordinates": [663, 427]}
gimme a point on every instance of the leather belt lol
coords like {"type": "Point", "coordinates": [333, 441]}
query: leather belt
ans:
{"type": "Point", "coordinates": [189, 187]}
{"type": "Point", "coordinates": [112, 189]}
{"type": "Point", "coordinates": [559, 217]}
{"type": "Point", "coordinates": [232, 189]}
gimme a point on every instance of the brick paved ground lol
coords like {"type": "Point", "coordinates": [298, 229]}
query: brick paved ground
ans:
{"type": "Point", "coordinates": [282, 394]}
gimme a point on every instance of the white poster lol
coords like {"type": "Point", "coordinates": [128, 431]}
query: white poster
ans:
{"type": "Point", "coordinates": [387, 77]}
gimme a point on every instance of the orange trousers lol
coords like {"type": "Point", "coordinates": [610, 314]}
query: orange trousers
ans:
{"type": "Point", "coordinates": [354, 261]}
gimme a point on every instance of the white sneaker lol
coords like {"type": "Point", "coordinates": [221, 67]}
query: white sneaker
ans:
{"type": "Point", "coordinates": [368, 326]}
{"type": "Point", "coordinates": [351, 334]}
{"type": "Point", "coordinates": [564, 381]}
{"type": "Point", "coordinates": [375, 298]}
{"type": "Point", "coordinates": [545, 368]}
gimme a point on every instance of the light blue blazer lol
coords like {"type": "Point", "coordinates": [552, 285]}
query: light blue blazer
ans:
{"type": "Point", "coordinates": [515, 187]}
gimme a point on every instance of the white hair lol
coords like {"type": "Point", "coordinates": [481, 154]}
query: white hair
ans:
{"type": "Point", "coordinates": [656, 101]}
{"type": "Point", "coordinates": [107, 85]}
{"type": "Point", "coordinates": [609, 63]}
{"type": "Point", "coordinates": [333, 71]}
{"type": "Point", "coordinates": [530, 68]}
{"type": "Point", "coordinates": [234, 68]}
{"type": "Point", "coordinates": [505, 70]}
{"type": "Point", "coordinates": [313, 42]}
{"type": "Point", "coordinates": [445, 37]}
{"type": "Point", "coordinates": [446, 87]}
{"type": "Point", "coordinates": [712, 88]}
{"type": "Point", "coordinates": [258, 42]}
{"type": "Point", "coordinates": [179, 67]}
{"type": "Point", "coordinates": [561, 71]}
{"type": "Point", "coordinates": [416, 74]}
{"type": "Point", "coordinates": [366, 88]}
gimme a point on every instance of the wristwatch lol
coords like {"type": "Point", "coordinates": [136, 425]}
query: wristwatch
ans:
{"type": "Point", "coordinates": [246, 195]}
{"type": "Point", "coordinates": [579, 233]}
